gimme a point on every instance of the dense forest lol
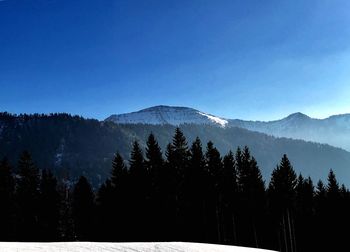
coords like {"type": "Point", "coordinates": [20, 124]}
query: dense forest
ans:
{"type": "Point", "coordinates": [189, 193]}
{"type": "Point", "coordinates": [75, 146]}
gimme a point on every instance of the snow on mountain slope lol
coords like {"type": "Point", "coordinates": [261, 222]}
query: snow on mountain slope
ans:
{"type": "Point", "coordinates": [120, 247]}
{"type": "Point", "coordinates": [334, 130]}
{"type": "Point", "coordinates": [168, 115]}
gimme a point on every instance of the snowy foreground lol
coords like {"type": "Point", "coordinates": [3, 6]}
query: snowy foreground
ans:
{"type": "Point", "coordinates": [122, 247]}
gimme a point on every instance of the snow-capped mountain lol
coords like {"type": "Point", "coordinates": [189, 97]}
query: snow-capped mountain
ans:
{"type": "Point", "coordinates": [168, 115]}
{"type": "Point", "coordinates": [334, 130]}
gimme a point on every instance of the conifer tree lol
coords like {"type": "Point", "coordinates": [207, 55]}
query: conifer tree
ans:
{"type": "Point", "coordinates": [170, 196]}
{"type": "Point", "coordinates": [114, 199]}
{"type": "Point", "coordinates": [282, 197]}
{"type": "Point", "coordinates": [283, 184]}
{"type": "Point", "coordinates": [333, 190]}
{"type": "Point", "coordinates": [154, 163]}
{"type": "Point", "coordinates": [193, 205]}
{"type": "Point", "coordinates": [66, 223]}
{"type": "Point", "coordinates": [249, 176]}
{"type": "Point", "coordinates": [7, 186]}
{"type": "Point", "coordinates": [83, 210]}
{"type": "Point", "coordinates": [214, 171]}
{"type": "Point", "coordinates": [107, 213]}
{"type": "Point", "coordinates": [139, 187]}
{"type": "Point", "coordinates": [229, 191]}
{"type": "Point", "coordinates": [177, 160]}
{"type": "Point", "coordinates": [180, 153]}
{"type": "Point", "coordinates": [334, 217]}
{"type": "Point", "coordinates": [252, 198]}
{"type": "Point", "coordinates": [320, 191]}
{"type": "Point", "coordinates": [304, 213]}
{"type": "Point", "coordinates": [49, 211]}
{"type": "Point", "coordinates": [119, 171]}
{"type": "Point", "coordinates": [27, 196]}
{"type": "Point", "coordinates": [154, 159]}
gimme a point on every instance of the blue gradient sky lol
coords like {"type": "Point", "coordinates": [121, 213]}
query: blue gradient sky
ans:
{"type": "Point", "coordinates": [237, 59]}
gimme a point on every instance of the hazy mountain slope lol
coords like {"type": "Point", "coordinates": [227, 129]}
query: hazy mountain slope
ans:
{"type": "Point", "coordinates": [78, 146]}
{"type": "Point", "coordinates": [334, 130]}
{"type": "Point", "coordinates": [121, 247]}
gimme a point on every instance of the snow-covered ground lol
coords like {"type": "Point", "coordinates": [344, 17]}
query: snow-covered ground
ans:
{"type": "Point", "coordinates": [121, 247]}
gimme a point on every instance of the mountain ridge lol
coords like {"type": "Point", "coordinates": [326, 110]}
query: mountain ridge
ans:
{"type": "Point", "coordinates": [333, 130]}
{"type": "Point", "coordinates": [173, 115]}
{"type": "Point", "coordinates": [74, 145]}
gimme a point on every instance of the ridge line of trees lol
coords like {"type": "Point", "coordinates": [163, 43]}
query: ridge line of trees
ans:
{"type": "Point", "coordinates": [187, 194]}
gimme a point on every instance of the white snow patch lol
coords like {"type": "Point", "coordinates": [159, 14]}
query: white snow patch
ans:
{"type": "Point", "coordinates": [120, 247]}
{"type": "Point", "coordinates": [215, 119]}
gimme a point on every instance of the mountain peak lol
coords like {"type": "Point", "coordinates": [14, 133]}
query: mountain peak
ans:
{"type": "Point", "coordinates": [168, 115]}
{"type": "Point", "coordinates": [162, 108]}
{"type": "Point", "coordinates": [297, 115]}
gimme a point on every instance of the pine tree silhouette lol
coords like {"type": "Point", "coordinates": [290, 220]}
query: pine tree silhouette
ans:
{"type": "Point", "coordinates": [139, 188]}
{"type": "Point", "coordinates": [7, 187]}
{"type": "Point", "coordinates": [251, 198]}
{"type": "Point", "coordinates": [194, 205]}
{"type": "Point", "coordinates": [304, 214]}
{"type": "Point", "coordinates": [214, 170]}
{"type": "Point", "coordinates": [282, 192]}
{"type": "Point", "coordinates": [190, 196]}
{"type": "Point", "coordinates": [49, 207]}
{"type": "Point", "coordinates": [154, 163]}
{"type": "Point", "coordinates": [83, 210]}
{"type": "Point", "coordinates": [27, 196]}
{"type": "Point", "coordinates": [229, 191]}
{"type": "Point", "coordinates": [177, 160]}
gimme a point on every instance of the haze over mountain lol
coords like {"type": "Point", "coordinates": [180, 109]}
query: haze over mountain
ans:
{"type": "Point", "coordinates": [74, 145]}
{"type": "Point", "coordinates": [334, 130]}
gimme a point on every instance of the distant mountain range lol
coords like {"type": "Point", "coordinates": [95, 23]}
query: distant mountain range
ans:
{"type": "Point", "coordinates": [334, 130]}
{"type": "Point", "coordinates": [74, 145]}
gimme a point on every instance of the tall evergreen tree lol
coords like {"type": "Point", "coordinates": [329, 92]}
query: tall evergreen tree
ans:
{"type": "Point", "coordinates": [119, 171]}
{"type": "Point", "coordinates": [333, 190]}
{"type": "Point", "coordinates": [66, 223]}
{"type": "Point", "coordinates": [229, 191]}
{"type": "Point", "coordinates": [304, 214]}
{"type": "Point", "coordinates": [7, 186]}
{"type": "Point", "coordinates": [83, 210]}
{"type": "Point", "coordinates": [114, 200]}
{"type": "Point", "coordinates": [49, 210]}
{"type": "Point", "coordinates": [180, 153]}
{"type": "Point", "coordinates": [252, 198]}
{"type": "Point", "coordinates": [193, 204]}
{"type": "Point", "coordinates": [334, 217]}
{"type": "Point", "coordinates": [154, 160]}
{"type": "Point", "coordinates": [177, 160]}
{"type": "Point", "coordinates": [170, 195]}
{"type": "Point", "coordinates": [108, 214]}
{"type": "Point", "coordinates": [282, 197]}
{"type": "Point", "coordinates": [139, 187]}
{"type": "Point", "coordinates": [27, 196]}
{"type": "Point", "coordinates": [214, 173]}
{"type": "Point", "coordinates": [155, 163]}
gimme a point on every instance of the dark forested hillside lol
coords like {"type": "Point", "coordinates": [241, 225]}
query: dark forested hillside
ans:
{"type": "Point", "coordinates": [193, 193]}
{"type": "Point", "coordinates": [72, 145]}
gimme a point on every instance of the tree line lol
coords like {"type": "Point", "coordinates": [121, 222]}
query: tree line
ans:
{"type": "Point", "coordinates": [191, 194]}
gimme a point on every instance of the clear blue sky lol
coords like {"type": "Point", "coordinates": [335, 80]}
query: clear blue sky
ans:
{"type": "Point", "coordinates": [237, 59]}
